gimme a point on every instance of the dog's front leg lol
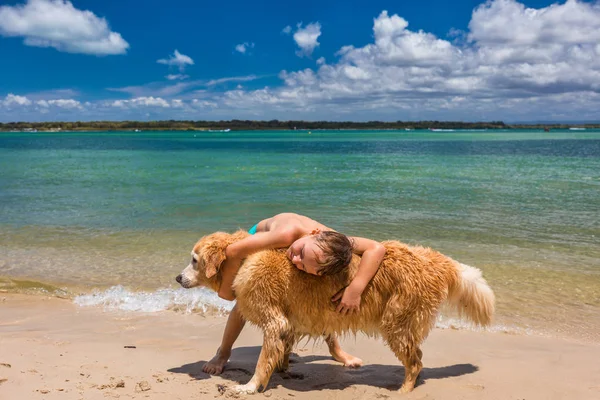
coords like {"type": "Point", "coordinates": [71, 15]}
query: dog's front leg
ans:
{"type": "Point", "coordinates": [289, 343]}
{"type": "Point", "coordinates": [271, 356]}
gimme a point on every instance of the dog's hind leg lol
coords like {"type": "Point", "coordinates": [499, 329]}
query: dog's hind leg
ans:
{"type": "Point", "coordinates": [404, 331]}
{"type": "Point", "coordinates": [289, 342]}
{"type": "Point", "coordinates": [283, 367]}
{"type": "Point", "coordinates": [410, 355]}
{"type": "Point", "coordinates": [412, 369]}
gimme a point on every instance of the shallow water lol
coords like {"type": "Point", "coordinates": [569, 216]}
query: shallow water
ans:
{"type": "Point", "coordinates": [88, 211]}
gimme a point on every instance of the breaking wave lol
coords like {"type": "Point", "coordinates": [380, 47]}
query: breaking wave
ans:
{"type": "Point", "coordinates": [197, 300]}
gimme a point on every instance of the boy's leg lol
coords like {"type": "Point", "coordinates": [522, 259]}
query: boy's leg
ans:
{"type": "Point", "coordinates": [235, 324]}
{"type": "Point", "coordinates": [340, 355]}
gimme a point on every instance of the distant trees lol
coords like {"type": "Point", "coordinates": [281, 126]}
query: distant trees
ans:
{"type": "Point", "coordinates": [236, 124]}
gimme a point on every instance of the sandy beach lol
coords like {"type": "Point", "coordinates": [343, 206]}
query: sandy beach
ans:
{"type": "Point", "coordinates": [53, 349]}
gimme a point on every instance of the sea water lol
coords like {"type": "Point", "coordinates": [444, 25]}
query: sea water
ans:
{"type": "Point", "coordinates": [110, 217]}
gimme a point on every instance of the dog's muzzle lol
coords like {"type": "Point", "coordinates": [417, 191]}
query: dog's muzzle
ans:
{"type": "Point", "coordinates": [183, 281]}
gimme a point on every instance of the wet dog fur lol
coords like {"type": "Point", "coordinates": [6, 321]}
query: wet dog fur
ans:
{"type": "Point", "coordinates": [400, 303]}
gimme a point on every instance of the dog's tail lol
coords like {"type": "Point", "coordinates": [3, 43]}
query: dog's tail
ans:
{"type": "Point", "coordinates": [472, 296]}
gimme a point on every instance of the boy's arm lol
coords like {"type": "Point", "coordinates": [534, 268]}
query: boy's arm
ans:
{"type": "Point", "coordinates": [372, 253]}
{"type": "Point", "coordinates": [237, 251]}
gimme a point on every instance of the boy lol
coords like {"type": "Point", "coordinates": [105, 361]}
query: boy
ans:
{"type": "Point", "coordinates": [314, 249]}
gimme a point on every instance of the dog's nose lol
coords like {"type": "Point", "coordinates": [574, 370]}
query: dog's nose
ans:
{"type": "Point", "coordinates": [178, 279]}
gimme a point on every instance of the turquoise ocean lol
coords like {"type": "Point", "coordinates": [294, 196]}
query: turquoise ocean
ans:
{"type": "Point", "coordinates": [109, 218]}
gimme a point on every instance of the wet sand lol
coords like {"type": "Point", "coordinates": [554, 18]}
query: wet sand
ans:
{"type": "Point", "coordinates": [52, 349]}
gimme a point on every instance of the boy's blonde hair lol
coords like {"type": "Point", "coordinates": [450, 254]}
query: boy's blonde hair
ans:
{"type": "Point", "coordinates": [337, 252]}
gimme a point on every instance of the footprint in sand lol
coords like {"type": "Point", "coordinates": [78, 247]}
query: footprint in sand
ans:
{"type": "Point", "coordinates": [475, 386]}
{"type": "Point", "coordinates": [142, 386]}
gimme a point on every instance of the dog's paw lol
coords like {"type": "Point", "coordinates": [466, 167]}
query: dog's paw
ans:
{"type": "Point", "coordinates": [248, 388]}
{"type": "Point", "coordinates": [406, 388]}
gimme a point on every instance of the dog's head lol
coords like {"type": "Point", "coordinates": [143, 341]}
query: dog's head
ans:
{"type": "Point", "coordinates": [207, 256]}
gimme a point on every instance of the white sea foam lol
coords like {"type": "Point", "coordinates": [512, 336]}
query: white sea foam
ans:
{"type": "Point", "coordinates": [447, 322]}
{"type": "Point", "coordinates": [199, 300]}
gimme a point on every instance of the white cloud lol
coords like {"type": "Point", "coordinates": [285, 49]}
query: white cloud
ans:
{"type": "Point", "coordinates": [219, 81]}
{"type": "Point", "coordinates": [203, 103]}
{"type": "Point", "coordinates": [571, 23]}
{"type": "Point", "coordinates": [15, 100]}
{"type": "Point", "coordinates": [65, 103]}
{"type": "Point", "coordinates": [23, 103]}
{"type": "Point", "coordinates": [173, 77]}
{"type": "Point", "coordinates": [141, 102]}
{"type": "Point", "coordinates": [177, 103]}
{"type": "Point", "coordinates": [243, 47]}
{"type": "Point", "coordinates": [550, 56]}
{"type": "Point", "coordinates": [57, 24]}
{"type": "Point", "coordinates": [178, 60]}
{"type": "Point", "coordinates": [307, 38]}
{"type": "Point", "coordinates": [546, 68]}
{"type": "Point", "coordinates": [158, 89]}
{"type": "Point", "coordinates": [168, 89]}
{"type": "Point", "coordinates": [287, 30]}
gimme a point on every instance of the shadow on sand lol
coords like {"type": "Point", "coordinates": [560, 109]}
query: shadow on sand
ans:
{"type": "Point", "coordinates": [310, 373]}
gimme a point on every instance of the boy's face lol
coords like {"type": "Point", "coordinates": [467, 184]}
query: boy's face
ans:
{"type": "Point", "coordinates": [305, 254]}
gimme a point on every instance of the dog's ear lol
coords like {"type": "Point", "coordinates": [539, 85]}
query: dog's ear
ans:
{"type": "Point", "coordinates": [213, 250]}
{"type": "Point", "coordinates": [214, 261]}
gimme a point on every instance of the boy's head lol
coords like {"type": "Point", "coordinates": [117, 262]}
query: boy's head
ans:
{"type": "Point", "coordinates": [321, 253]}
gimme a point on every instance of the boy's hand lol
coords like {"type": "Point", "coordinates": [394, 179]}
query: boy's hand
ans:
{"type": "Point", "coordinates": [350, 301]}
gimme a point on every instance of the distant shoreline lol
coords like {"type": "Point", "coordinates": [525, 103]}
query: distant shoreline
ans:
{"type": "Point", "coordinates": [247, 125]}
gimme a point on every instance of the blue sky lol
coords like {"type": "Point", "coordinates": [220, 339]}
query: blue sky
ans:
{"type": "Point", "coordinates": [314, 60]}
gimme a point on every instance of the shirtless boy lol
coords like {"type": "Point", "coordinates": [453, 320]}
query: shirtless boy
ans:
{"type": "Point", "coordinates": [312, 248]}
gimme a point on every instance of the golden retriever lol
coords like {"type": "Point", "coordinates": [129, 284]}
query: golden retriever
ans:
{"type": "Point", "coordinates": [400, 303]}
